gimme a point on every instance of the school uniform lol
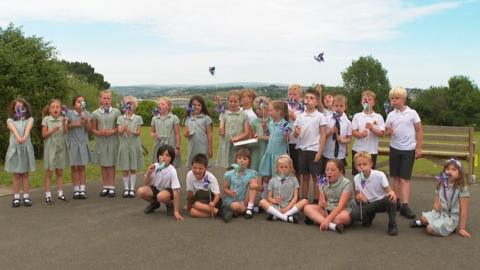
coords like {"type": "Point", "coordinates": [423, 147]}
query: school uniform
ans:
{"type": "Point", "coordinates": [259, 149]}
{"type": "Point", "coordinates": [20, 158]}
{"type": "Point", "coordinates": [292, 141]}
{"type": "Point", "coordinates": [251, 115]}
{"type": "Point", "coordinates": [239, 184]}
{"type": "Point", "coordinates": [78, 139]}
{"type": "Point", "coordinates": [283, 188]}
{"type": "Point", "coordinates": [277, 145]}
{"type": "Point", "coordinates": [55, 148]}
{"type": "Point", "coordinates": [203, 191]}
{"type": "Point", "coordinates": [308, 141]}
{"type": "Point", "coordinates": [165, 129]}
{"type": "Point", "coordinates": [403, 141]}
{"type": "Point", "coordinates": [130, 151]}
{"type": "Point", "coordinates": [197, 140]}
{"type": "Point", "coordinates": [106, 148]}
{"type": "Point", "coordinates": [333, 149]}
{"type": "Point", "coordinates": [165, 179]}
{"type": "Point", "coordinates": [334, 191]}
{"type": "Point", "coordinates": [234, 126]}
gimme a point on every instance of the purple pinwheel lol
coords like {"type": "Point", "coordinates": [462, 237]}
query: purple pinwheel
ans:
{"type": "Point", "coordinates": [206, 181]}
{"type": "Point", "coordinates": [285, 128]}
{"type": "Point", "coordinates": [20, 112]}
{"type": "Point", "coordinates": [443, 179]}
{"type": "Point", "coordinates": [211, 70]}
{"type": "Point", "coordinates": [336, 116]}
{"type": "Point", "coordinates": [322, 180]}
{"type": "Point", "coordinates": [126, 106]}
{"type": "Point", "coordinates": [387, 107]}
{"type": "Point", "coordinates": [220, 108]}
{"type": "Point", "coordinates": [155, 111]}
{"type": "Point", "coordinates": [319, 58]}
{"type": "Point", "coordinates": [283, 177]}
{"type": "Point", "coordinates": [64, 110]}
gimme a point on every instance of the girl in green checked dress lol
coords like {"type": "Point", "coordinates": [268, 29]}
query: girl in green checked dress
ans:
{"type": "Point", "coordinates": [166, 130]}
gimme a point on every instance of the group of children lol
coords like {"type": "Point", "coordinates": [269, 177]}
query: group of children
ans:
{"type": "Point", "coordinates": [304, 138]}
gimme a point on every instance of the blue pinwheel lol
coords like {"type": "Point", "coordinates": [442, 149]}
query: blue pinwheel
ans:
{"type": "Point", "coordinates": [363, 180]}
{"type": "Point", "coordinates": [155, 111]}
{"type": "Point", "coordinates": [20, 112]}
{"type": "Point", "coordinates": [443, 179]}
{"type": "Point", "coordinates": [220, 108]}
{"type": "Point", "coordinates": [211, 70]}
{"type": "Point", "coordinates": [285, 127]}
{"type": "Point", "coordinates": [322, 180]}
{"type": "Point", "coordinates": [387, 107]}
{"type": "Point", "coordinates": [126, 106]}
{"type": "Point", "coordinates": [319, 58]}
{"type": "Point", "coordinates": [64, 110]}
{"type": "Point", "coordinates": [206, 181]}
{"type": "Point", "coordinates": [296, 105]}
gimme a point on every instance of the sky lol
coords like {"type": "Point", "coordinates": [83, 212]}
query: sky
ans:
{"type": "Point", "coordinates": [420, 43]}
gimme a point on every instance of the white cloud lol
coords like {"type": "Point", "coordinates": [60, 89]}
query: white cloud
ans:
{"type": "Point", "coordinates": [246, 36]}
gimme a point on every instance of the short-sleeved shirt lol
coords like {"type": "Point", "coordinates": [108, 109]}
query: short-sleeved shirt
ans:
{"type": "Point", "coordinates": [78, 134]}
{"type": "Point", "coordinates": [234, 123]}
{"type": "Point", "coordinates": [334, 191]}
{"type": "Point", "coordinates": [375, 184]}
{"type": "Point", "coordinates": [106, 120]}
{"type": "Point", "coordinates": [133, 123]}
{"type": "Point", "coordinates": [166, 178]}
{"type": "Point", "coordinates": [251, 115]}
{"type": "Point", "coordinates": [283, 189]}
{"type": "Point", "coordinates": [297, 111]}
{"type": "Point", "coordinates": [239, 183]}
{"type": "Point", "coordinates": [369, 143]}
{"type": "Point", "coordinates": [194, 185]}
{"type": "Point", "coordinates": [345, 130]}
{"type": "Point", "coordinates": [310, 124]}
{"type": "Point", "coordinates": [165, 126]}
{"type": "Point", "coordinates": [403, 125]}
{"type": "Point", "coordinates": [452, 201]}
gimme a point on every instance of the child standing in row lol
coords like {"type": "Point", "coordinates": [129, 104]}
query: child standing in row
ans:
{"type": "Point", "coordinates": [336, 200]}
{"type": "Point", "coordinates": [405, 129]}
{"type": "Point", "coordinates": [235, 128]}
{"type": "Point", "coordinates": [367, 127]}
{"type": "Point", "coordinates": [282, 200]}
{"type": "Point", "coordinates": [166, 130]}
{"type": "Point", "coordinates": [203, 193]}
{"type": "Point", "coordinates": [55, 150]}
{"type": "Point", "coordinates": [295, 108]}
{"type": "Point", "coordinates": [20, 158]}
{"type": "Point", "coordinates": [261, 105]}
{"type": "Point", "coordinates": [104, 127]}
{"type": "Point", "coordinates": [130, 152]}
{"type": "Point", "coordinates": [198, 129]}
{"type": "Point", "coordinates": [450, 208]}
{"type": "Point", "coordinates": [248, 96]}
{"type": "Point", "coordinates": [373, 193]}
{"type": "Point", "coordinates": [161, 184]}
{"type": "Point", "coordinates": [310, 131]}
{"type": "Point", "coordinates": [78, 127]}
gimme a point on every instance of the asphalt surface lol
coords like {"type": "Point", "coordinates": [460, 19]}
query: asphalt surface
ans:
{"type": "Point", "coordinates": [113, 233]}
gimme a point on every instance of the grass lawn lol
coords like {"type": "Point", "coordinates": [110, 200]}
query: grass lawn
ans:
{"type": "Point", "coordinates": [422, 166]}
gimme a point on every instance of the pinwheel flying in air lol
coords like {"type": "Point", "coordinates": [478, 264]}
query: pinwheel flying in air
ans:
{"type": "Point", "coordinates": [319, 57]}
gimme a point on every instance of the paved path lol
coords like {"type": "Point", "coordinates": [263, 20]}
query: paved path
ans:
{"type": "Point", "coordinates": [113, 233]}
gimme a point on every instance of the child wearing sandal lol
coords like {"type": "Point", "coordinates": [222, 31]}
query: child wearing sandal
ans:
{"type": "Point", "coordinates": [239, 187]}
{"type": "Point", "coordinates": [373, 193]}
{"type": "Point", "coordinates": [203, 193]}
{"type": "Point", "coordinates": [161, 184]}
{"type": "Point", "coordinates": [20, 158]}
{"type": "Point", "coordinates": [78, 127]}
{"type": "Point", "coordinates": [282, 200]}
{"type": "Point", "coordinates": [450, 207]}
{"type": "Point", "coordinates": [104, 127]}
{"type": "Point", "coordinates": [166, 130]}
{"type": "Point", "coordinates": [55, 150]}
{"type": "Point", "coordinates": [130, 152]}
{"type": "Point", "coordinates": [336, 199]}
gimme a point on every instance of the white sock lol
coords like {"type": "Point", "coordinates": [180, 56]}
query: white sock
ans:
{"type": "Point", "coordinates": [418, 222]}
{"type": "Point", "coordinates": [25, 196]}
{"type": "Point", "coordinates": [17, 196]}
{"type": "Point", "coordinates": [265, 191]}
{"type": "Point", "coordinates": [133, 181]}
{"type": "Point", "coordinates": [60, 193]}
{"type": "Point", "coordinates": [82, 187]}
{"type": "Point", "coordinates": [48, 194]}
{"type": "Point", "coordinates": [111, 187]}
{"type": "Point", "coordinates": [76, 188]}
{"type": "Point", "coordinates": [273, 211]}
{"type": "Point", "coordinates": [250, 205]}
{"type": "Point", "coordinates": [125, 182]}
{"type": "Point", "coordinates": [332, 226]}
{"type": "Point", "coordinates": [292, 211]}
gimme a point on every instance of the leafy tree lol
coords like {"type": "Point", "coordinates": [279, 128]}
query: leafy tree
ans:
{"type": "Point", "coordinates": [86, 72]}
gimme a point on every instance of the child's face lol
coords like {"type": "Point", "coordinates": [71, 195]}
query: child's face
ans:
{"type": "Point", "coordinates": [294, 94]}
{"type": "Point", "coordinates": [198, 170]}
{"type": "Point", "coordinates": [164, 158]}
{"type": "Point", "coordinates": [274, 113]}
{"type": "Point", "coordinates": [106, 100]}
{"type": "Point", "coordinates": [332, 172]}
{"type": "Point", "coordinates": [78, 103]}
{"type": "Point", "coordinates": [310, 101]}
{"type": "Point", "coordinates": [368, 99]}
{"type": "Point", "coordinates": [55, 109]}
{"type": "Point", "coordinates": [339, 107]}
{"type": "Point", "coordinates": [397, 102]}
{"type": "Point", "coordinates": [452, 171]}
{"type": "Point", "coordinates": [283, 168]}
{"type": "Point", "coordinates": [196, 107]}
{"type": "Point", "coordinates": [233, 103]}
{"type": "Point", "coordinates": [363, 164]}
{"type": "Point", "coordinates": [243, 161]}
{"type": "Point", "coordinates": [247, 100]}
{"type": "Point", "coordinates": [163, 106]}
{"type": "Point", "coordinates": [328, 101]}
{"type": "Point", "coordinates": [261, 113]}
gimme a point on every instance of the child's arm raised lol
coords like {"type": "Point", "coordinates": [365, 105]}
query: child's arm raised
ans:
{"type": "Point", "coordinates": [176, 205]}
{"type": "Point", "coordinates": [65, 125]}
{"type": "Point", "coordinates": [463, 217]}
{"type": "Point", "coordinates": [148, 175]}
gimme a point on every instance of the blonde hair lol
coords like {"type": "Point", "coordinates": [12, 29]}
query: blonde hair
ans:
{"type": "Point", "coordinates": [236, 93]}
{"type": "Point", "coordinates": [362, 154]}
{"type": "Point", "coordinates": [249, 93]}
{"type": "Point", "coordinates": [340, 98]}
{"type": "Point", "coordinates": [132, 100]}
{"type": "Point", "coordinates": [284, 160]}
{"type": "Point", "coordinates": [282, 107]}
{"type": "Point", "coordinates": [168, 101]}
{"type": "Point", "coordinates": [105, 91]}
{"type": "Point", "coordinates": [295, 88]}
{"type": "Point", "coordinates": [46, 109]}
{"type": "Point", "coordinates": [369, 93]}
{"type": "Point", "coordinates": [398, 91]}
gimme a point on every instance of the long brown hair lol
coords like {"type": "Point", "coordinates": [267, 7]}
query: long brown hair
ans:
{"type": "Point", "coordinates": [282, 107]}
{"type": "Point", "coordinates": [27, 106]}
{"type": "Point", "coordinates": [459, 182]}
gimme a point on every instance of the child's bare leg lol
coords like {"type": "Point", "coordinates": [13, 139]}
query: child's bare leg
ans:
{"type": "Point", "coordinates": [82, 175]}
{"type": "Point", "coordinates": [26, 183]}
{"type": "Point", "coordinates": [104, 176]}
{"type": "Point", "coordinates": [145, 192]}
{"type": "Point", "coordinates": [164, 197]}
{"type": "Point", "coordinates": [204, 208]}
{"type": "Point", "coordinates": [238, 207]}
{"type": "Point", "coordinates": [48, 177]}
{"type": "Point", "coordinates": [315, 188]}
{"type": "Point", "coordinates": [430, 230]}
{"type": "Point", "coordinates": [315, 213]}
{"type": "Point", "coordinates": [16, 183]}
{"type": "Point", "coordinates": [59, 176]}
{"type": "Point", "coordinates": [405, 190]}
{"type": "Point", "coordinates": [397, 186]}
{"type": "Point", "coordinates": [199, 214]}
{"type": "Point", "coordinates": [265, 181]}
{"type": "Point", "coordinates": [111, 176]}
{"type": "Point", "coordinates": [342, 218]}
{"type": "Point", "coordinates": [305, 184]}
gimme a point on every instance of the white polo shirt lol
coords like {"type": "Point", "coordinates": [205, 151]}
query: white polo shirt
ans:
{"type": "Point", "coordinates": [310, 124]}
{"type": "Point", "coordinates": [403, 125]}
{"type": "Point", "coordinates": [375, 185]}
{"type": "Point", "coordinates": [166, 178]}
{"type": "Point", "coordinates": [345, 130]}
{"type": "Point", "coordinates": [369, 143]}
{"type": "Point", "coordinates": [250, 114]}
{"type": "Point", "coordinates": [195, 185]}
{"type": "Point", "coordinates": [291, 138]}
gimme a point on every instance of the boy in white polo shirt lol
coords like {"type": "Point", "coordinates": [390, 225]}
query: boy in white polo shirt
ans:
{"type": "Point", "coordinates": [310, 132]}
{"type": "Point", "coordinates": [373, 193]}
{"type": "Point", "coordinates": [367, 127]}
{"type": "Point", "coordinates": [339, 133]}
{"type": "Point", "coordinates": [405, 128]}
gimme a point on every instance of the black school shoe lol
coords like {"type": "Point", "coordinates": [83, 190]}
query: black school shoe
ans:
{"type": "Point", "coordinates": [76, 195]}
{"type": "Point", "coordinates": [48, 200]}
{"type": "Point", "coordinates": [416, 224]}
{"type": "Point", "coordinates": [63, 198]}
{"type": "Point", "coordinates": [27, 202]}
{"type": "Point", "coordinates": [406, 211]}
{"type": "Point", "coordinates": [83, 195]}
{"type": "Point", "coordinates": [151, 207]}
{"type": "Point", "coordinates": [104, 192]}
{"type": "Point", "coordinates": [392, 229]}
{"type": "Point", "coordinates": [16, 203]}
{"type": "Point", "coordinates": [227, 214]}
{"type": "Point", "coordinates": [169, 210]}
{"type": "Point", "coordinates": [308, 221]}
{"type": "Point", "coordinates": [248, 213]}
{"type": "Point", "coordinates": [339, 228]}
